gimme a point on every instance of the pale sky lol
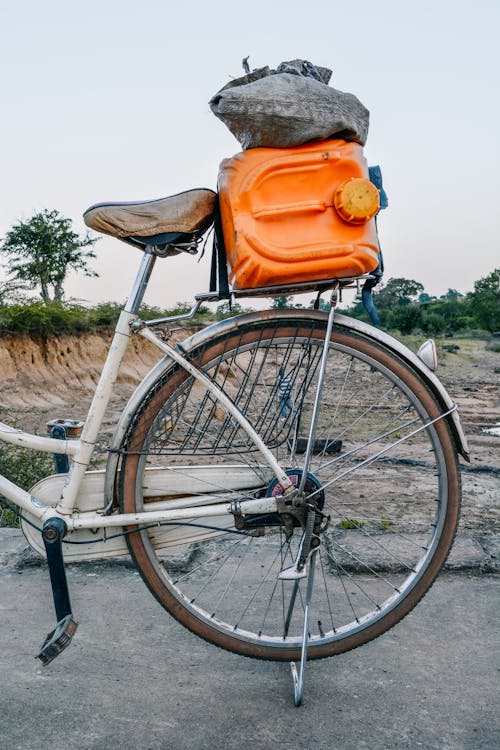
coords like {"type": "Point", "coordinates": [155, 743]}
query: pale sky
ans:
{"type": "Point", "coordinates": [108, 100]}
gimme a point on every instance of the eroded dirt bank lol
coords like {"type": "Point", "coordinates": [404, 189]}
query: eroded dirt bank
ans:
{"type": "Point", "coordinates": [44, 380]}
{"type": "Point", "coordinates": [37, 374]}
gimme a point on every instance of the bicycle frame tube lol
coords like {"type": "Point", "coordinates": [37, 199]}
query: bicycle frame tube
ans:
{"type": "Point", "coordinates": [190, 513]}
{"type": "Point", "coordinates": [38, 442]}
{"type": "Point", "coordinates": [23, 499]}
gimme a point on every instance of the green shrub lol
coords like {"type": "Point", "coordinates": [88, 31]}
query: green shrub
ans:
{"type": "Point", "coordinates": [25, 468]}
{"type": "Point", "coordinates": [350, 523]}
{"type": "Point", "coordinates": [46, 319]}
{"type": "Point", "coordinates": [42, 318]}
{"type": "Point", "coordinates": [103, 316]}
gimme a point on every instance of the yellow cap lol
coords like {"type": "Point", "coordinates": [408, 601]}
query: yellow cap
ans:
{"type": "Point", "coordinates": [356, 200]}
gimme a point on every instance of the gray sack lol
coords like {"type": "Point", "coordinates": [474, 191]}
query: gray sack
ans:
{"type": "Point", "coordinates": [289, 106]}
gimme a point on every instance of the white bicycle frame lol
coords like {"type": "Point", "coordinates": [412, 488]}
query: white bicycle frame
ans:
{"type": "Point", "coordinates": [81, 450]}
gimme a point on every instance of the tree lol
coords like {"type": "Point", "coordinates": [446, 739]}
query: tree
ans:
{"type": "Point", "coordinates": [425, 298]}
{"type": "Point", "coordinates": [485, 301]}
{"type": "Point", "coordinates": [398, 292]}
{"type": "Point", "coordinates": [42, 250]}
{"type": "Point", "coordinates": [452, 294]}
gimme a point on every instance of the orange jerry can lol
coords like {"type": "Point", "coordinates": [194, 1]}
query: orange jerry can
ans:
{"type": "Point", "coordinates": [294, 215]}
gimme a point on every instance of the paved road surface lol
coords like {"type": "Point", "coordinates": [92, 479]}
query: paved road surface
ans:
{"type": "Point", "coordinates": [134, 679]}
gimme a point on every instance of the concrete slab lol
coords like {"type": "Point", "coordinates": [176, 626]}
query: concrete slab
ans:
{"type": "Point", "coordinates": [468, 553]}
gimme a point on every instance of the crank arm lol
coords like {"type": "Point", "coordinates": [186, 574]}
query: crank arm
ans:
{"type": "Point", "coordinates": [53, 533]}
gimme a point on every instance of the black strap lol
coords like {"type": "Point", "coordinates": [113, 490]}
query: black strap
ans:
{"type": "Point", "coordinates": [219, 281]}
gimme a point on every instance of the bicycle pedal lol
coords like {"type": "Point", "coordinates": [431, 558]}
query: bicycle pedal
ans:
{"type": "Point", "coordinates": [57, 640]}
{"type": "Point", "coordinates": [292, 573]}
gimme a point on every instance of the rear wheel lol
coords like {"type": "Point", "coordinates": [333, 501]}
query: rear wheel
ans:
{"type": "Point", "coordinates": [383, 472]}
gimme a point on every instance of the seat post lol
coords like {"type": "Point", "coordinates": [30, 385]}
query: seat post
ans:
{"type": "Point", "coordinates": [134, 300]}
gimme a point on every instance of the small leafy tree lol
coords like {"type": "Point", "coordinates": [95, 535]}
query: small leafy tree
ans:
{"type": "Point", "coordinates": [433, 324]}
{"type": "Point", "coordinates": [485, 301]}
{"type": "Point", "coordinates": [398, 291]}
{"type": "Point", "coordinates": [425, 298]}
{"type": "Point", "coordinates": [452, 294]}
{"type": "Point", "coordinates": [42, 250]}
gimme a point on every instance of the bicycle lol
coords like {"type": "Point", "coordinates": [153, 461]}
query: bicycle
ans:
{"type": "Point", "coordinates": [286, 481]}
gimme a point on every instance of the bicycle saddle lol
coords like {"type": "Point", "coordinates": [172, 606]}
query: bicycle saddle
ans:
{"type": "Point", "coordinates": [156, 222]}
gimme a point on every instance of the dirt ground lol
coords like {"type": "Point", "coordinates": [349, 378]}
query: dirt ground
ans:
{"type": "Point", "coordinates": [471, 375]}
{"type": "Point", "coordinates": [56, 379]}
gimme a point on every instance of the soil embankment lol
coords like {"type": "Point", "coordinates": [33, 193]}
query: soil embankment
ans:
{"type": "Point", "coordinates": [39, 374]}
{"type": "Point", "coordinates": [41, 380]}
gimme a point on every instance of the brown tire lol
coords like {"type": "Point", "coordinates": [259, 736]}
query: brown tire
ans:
{"type": "Point", "coordinates": [387, 467]}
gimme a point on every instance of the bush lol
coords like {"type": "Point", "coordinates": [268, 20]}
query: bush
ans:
{"type": "Point", "coordinates": [25, 468]}
{"type": "Point", "coordinates": [45, 319]}
{"type": "Point", "coordinates": [432, 324]}
{"type": "Point", "coordinates": [42, 318]}
{"type": "Point", "coordinates": [486, 301]}
{"type": "Point", "coordinates": [103, 316]}
{"type": "Point", "coordinates": [406, 318]}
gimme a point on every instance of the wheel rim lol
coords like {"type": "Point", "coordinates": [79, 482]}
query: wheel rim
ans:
{"type": "Point", "coordinates": [390, 494]}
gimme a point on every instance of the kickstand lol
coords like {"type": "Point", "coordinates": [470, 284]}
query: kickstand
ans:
{"type": "Point", "coordinates": [299, 676]}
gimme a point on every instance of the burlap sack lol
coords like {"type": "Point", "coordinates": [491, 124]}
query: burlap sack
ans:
{"type": "Point", "coordinates": [279, 109]}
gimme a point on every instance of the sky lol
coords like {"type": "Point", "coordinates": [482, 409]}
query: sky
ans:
{"type": "Point", "coordinates": [108, 101]}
